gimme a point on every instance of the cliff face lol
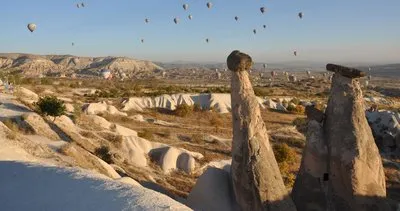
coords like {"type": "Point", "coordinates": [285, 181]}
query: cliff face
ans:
{"type": "Point", "coordinates": [34, 65]}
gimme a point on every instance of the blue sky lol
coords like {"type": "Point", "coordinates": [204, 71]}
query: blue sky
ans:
{"type": "Point", "coordinates": [334, 31]}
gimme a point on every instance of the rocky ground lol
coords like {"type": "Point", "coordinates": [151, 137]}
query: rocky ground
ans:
{"type": "Point", "coordinates": [139, 132]}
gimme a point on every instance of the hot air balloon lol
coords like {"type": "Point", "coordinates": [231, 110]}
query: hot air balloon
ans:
{"type": "Point", "coordinates": [308, 73]}
{"type": "Point", "coordinates": [264, 26]}
{"type": "Point", "coordinates": [78, 5]}
{"type": "Point", "coordinates": [265, 66]}
{"type": "Point", "coordinates": [82, 5]}
{"type": "Point", "coordinates": [236, 18]}
{"type": "Point", "coordinates": [254, 31]}
{"type": "Point", "coordinates": [142, 40]}
{"type": "Point", "coordinates": [209, 5]}
{"type": "Point", "coordinates": [185, 6]}
{"type": "Point", "coordinates": [190, 17]}
{"type": "Point", "coordinates": [295, 53]}
{"type": "Point", "coordinates": [32, 27]}
{"type": "Point", "coordinates": [262, 9]}
{"type": "Point", "coordinates": [146, 20]}
{"type": "Point", "coordinates": [207, 40]}
{"type": "Point", "coordinates": [73, 44]}
{"type": "Point", "coordinates": [300, 15]}
{"type": "Point", "coordinates": [176, 20]}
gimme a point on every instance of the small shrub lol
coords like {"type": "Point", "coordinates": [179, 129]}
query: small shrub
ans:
{"type": "Point", "coordinates": [166, 133]}
{"type": "Point", "coordinates": [301, 124]}
{"type": "Point", "coordinates": [88, 134]}
{"type": "Point", "coordinates": [197, 107]}
{"type": "Point", "coordinates": [262, 92]}
{"type": "Point", "coordinates": [104, 154]}
{"type": "Point", "coordinates": [11, 125]}
{"type": "Point", "coordinates": [11, 135]}
{"type": "Point", "coordinates": [197, 138]}
{"type": "Point", "coordinates": [285, 156]}
{"type": "Point", "coordinates": [295, 101]}
{"type": "Point", "coordinates": [146, 134]}
{"type": "Point", "coordinates": [51, 106]}
{"type": "Point", "coordinates": [283, 153]}
{"type": "Point", "coordinates": [298, 109]}
{"type": "Point", "coordinates": [183, 110]}
{"type": "Point", "coordinates": [216, 122]}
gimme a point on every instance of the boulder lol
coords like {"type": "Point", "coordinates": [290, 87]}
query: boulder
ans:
{"type": "Point", "coordinates": [257, 182]}
{"type": "Point", "coordinates": [385, 127]}
{"type": "Point", "coordinates": [205, 195]}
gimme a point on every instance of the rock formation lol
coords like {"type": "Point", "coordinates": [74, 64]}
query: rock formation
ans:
{"type": "Point", "coordinates": [310, 185]}
{"type": "Point", "coordinates": [257, 181]}
{"type": "Point", "coordinates": [356, 176]}
{"type": "Point", "coordinates": [341, 167]}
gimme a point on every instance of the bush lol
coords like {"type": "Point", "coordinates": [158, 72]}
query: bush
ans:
{"type": "Point", "coordinates": [146, 134]}
{"type": "Point", "coordinates": [197, 138]}
{"type": "Point", "coordinates": [283, 153]}
{"type": "Point", "coordinates": [298, 109]}
{"type": "Point", "coordinates": [11, 125]}
{"type": "Point", "coordinates": [104, 154]}
{"type": "Point", "coordinates": [183, 110]}
{"type": "Point", "coordinates": [216, 122]}
{"type": "Point", "coordinates": [295, 101]}
{"type": "Point", "coordinates": [285, 156]}
{"type": "Point", "coordinates": [197, 107]}
{"type": "Point", "coordinates": [51, 106]}
{"type": "Point", "coordinates": [301, 124]}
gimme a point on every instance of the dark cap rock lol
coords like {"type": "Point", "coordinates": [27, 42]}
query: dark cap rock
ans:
{"type": "Point", "coordinates": [238, 61]}
{"type": "Point", "coordinates": [345, 71]}
{"type": "Point", "coordinates": [314, 114]}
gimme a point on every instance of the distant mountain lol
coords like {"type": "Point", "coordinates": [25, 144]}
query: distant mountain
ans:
{"type": "Point", "coordinates": [34, 65]}
{"type": "Point", "coordinates": [387, 70]}
{"type": "Point", "coordinates": [286, 66]}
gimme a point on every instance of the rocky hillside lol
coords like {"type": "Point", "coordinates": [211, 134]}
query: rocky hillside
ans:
{"type": "Point", "coordinates": [34, 65]}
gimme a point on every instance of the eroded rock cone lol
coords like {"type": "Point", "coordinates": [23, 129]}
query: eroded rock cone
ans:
{"type": "Point", "coordinates": [309, 190]}
{"type": "Point", "coordinates": [257, 181]}
{"type": "Point", "coordinates": [356, 176]}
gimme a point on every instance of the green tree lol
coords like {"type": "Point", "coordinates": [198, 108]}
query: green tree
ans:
{"type": "Point", "coordinates": [51, 106]}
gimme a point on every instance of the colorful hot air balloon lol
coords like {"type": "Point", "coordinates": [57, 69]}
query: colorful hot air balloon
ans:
{"type": "Point", "coordinates": [32, 27]}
